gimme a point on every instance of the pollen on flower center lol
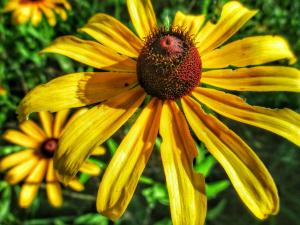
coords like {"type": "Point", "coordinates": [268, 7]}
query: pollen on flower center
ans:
{"type": "Point", "coordinates": [169, 65]}
{"type": "Point", "coordinates": [48, 147]}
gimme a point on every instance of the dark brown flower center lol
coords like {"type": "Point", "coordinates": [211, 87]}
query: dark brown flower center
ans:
{"type": "Point", "coordinates": [169, 65]}
{"type": "Point", "coordinates": [48, 147]}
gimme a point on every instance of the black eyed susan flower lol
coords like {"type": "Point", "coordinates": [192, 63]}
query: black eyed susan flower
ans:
{"type": "Point", "coordinates": [33, 10]}
{"type": "Point", "coordinates": [170, 65]}
{"type": "Point", "coordinates": [34, 164]}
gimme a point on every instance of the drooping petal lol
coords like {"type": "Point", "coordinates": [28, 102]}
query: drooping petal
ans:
{"type": "Point", "coordinates": [53, 187]}
{"type": "Point", "coordinates": [91, 53]}
{"type": "Point", "coordinates": [31, 186]}
{"type": "Point", "coordinates": [27, 194]}
{"type": "Point", "coordinates": [46, 119]}
{"type": "Point", "coordinates": [38, 173]}
{"type": "Point", "coordinates": [61, 12]}
{"type": "Point", "coordinates": [20, 138]}
{"type": "Point", "coordinates": [78, 113]}
{"type": "Point", "coordinates": [260, 78]}
{"type": "Point", "coordinates": [90, 168]}
{"type": "Point", "coordinates": [59, 121]}
{"type": "Point", "coordinates": [234, 15]}
{"type": "Point", "coordinates": [76, 185]}
{"type": "Point", "coordinates": [99, 150]}
{"type": "Point", "coordinates": [283, 122]}
{"type": "Point", "coordinates": [185, 187]}
{"type": "Point", "coordinates": [124, 170]}
{"type": "Point", "coordinates": [33, 130]}
{"type": "Point", "coordinates": [75, 90]}
{"type": "Point", "coordinates": [22, 15]}
{"type": "Point", "coordinates": [113, 34]}
{"type": "Point", "coordinates": [36, 16]}
{"type": "Point", "coordinates": [190, 23]}
{"type": "Point", "coordinates": [16, 158]}
{"type": "Point", "coordinates": [247, 173]}
{"type": "Point", "coordinates": [92, 129]}
{"type": "Point", "coordinates": [50, 15]}
{"type": "Point", "coordinates": [142, 16]}
{"type": "Point", "coordinates": [19, 172]}
{"type": "Point", "coordinates": [249, 51]}
{"type": "Point", "coordinates": [10, 6]}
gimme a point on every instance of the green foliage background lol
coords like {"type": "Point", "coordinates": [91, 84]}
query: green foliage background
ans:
{"type": "Point", "coordinates": [22, 68]}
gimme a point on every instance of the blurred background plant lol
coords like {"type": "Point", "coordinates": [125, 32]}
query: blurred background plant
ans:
{"type": "Point", "coordinates": [22, 68]}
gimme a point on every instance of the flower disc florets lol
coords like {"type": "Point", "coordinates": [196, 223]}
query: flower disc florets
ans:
{"type": "Point", "coordinates": [169, 65]}
{"type": "Point", "coordinates": [48, 147]}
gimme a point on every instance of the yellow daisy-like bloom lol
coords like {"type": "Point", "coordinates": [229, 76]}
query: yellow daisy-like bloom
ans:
{"type": "Point", "coordinates": [167, 64]}
{"type": "Point", "coordinates": [25, 10]}
{"type": "Point", "coordinates": [35, 163]}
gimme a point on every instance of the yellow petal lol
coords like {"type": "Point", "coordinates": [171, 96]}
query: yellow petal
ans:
{"type": "Point", "coordinates": [50, 15]}
{"type": "Point", "coordinates": [90, 168]}
{"type": "Point", "coordinates": [38, 173]}
{"type": "Point", "coordinates": [234, 15]}
{"type": "Point", "coordinates": [189, 23]}
{"type": "Point", "coordinates": [247, 173]}
{"type": "Point", "coordinates": [19, 172]}
{"type": "Point", "coordinates": [283, 122]}
{"type": "Point", "coordinates": [22, 15]}
{"type": "Point", "coordinates": [185, 187]}
{"type": "Point", "coordinates": [16, 158]}
{"type": "Point", "coordinates": [113, 34]}
{"type": "Point", "coordinates": [249, 51]}
{"type": "Point", "coordinates": [33, 181]}
{"type": "Point", "coordinates": [53, 187]}
{"type": "Point", "coordinates": [54, 194]}
{"type": "Point", "coordinates": [46, 119]}
{"type": "Point", "coordinates": [260, 78]}
{"type": "Point", "coordinates": [91, 53]}
{"type": "Point", "coordinates": [10, 6]}
{"type": "Point", "coordinates": [142, 16]}
{"type": "Point", "coordinates": [99, 150]}
{"type": "Point", "coordinates": [27, 194]}
{"type": "Point", "coordinates": [33, 130]}
{"type": "Point", "coordinates": [75, 90]}
{"type": "Point", "coordinates": [76, 114]}
{"type": "Point", "coordinates": [92, 129]}
{"type": "Point", "coordinates": [76, 185]}
{"type": "Point", "coordinates": [36, 16]}
{"type": "Point", "coordinates": [59, 121]}
{"type": "Point", "coordinates": [60, 11]}
{"type": "Point", "coordinates": [20, 138]}
{"type": "Point", "coordinates": [124, 170]}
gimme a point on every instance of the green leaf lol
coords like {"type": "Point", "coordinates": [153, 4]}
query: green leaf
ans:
{"type": "Point", "coordinates": [91, 219]}
{"type": "Point", "coordinates": [213, 189]}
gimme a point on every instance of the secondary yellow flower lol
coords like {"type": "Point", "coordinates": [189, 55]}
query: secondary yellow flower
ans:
{"type": "Point", "coordinates": [35, 163]}
{"type": "Point", "coordinates": [167, 64]}
{"type": "Point", "coordinates": [25, 10]}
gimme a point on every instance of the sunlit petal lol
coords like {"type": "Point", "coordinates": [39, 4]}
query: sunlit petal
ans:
{"type": "Point", "coordinates": [249, 51]}
{"type": "Point", "coordinates": [234, 15]}
{"type": "Point", "coordinates": [124, 170]}
{"type": "Point", "coordinates": [92, 129]}
{"type": "Point", "coordinates": [142, 16]}
{"type": "Point", "coordinates": [190, 23]}
{"type": "Point", "coordinates": [283, 122]}
{"type": "Point", "coordinates": [113, 34]}
{"type": "Point", "coordinates": [185, 187]}
{"type": "Point", "coordinates": [91, 53]}
{"type": "Point", "coordinates": [247, 173]}
{"type": "Point", "coordinates": [260, 78]}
